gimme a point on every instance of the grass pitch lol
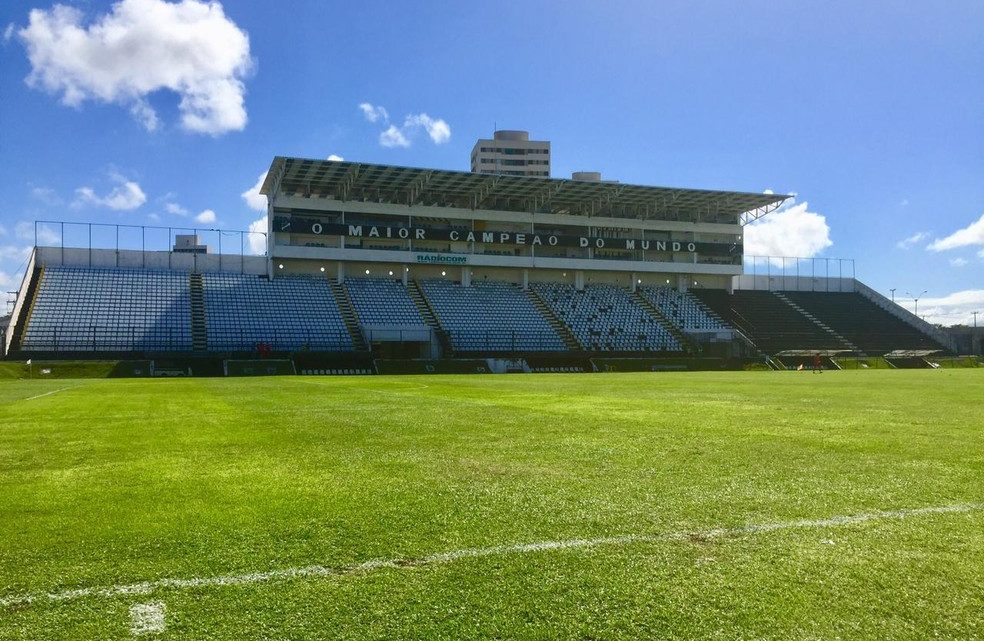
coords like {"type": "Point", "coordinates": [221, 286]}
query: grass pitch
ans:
{"type": "Point", "coordinates": [109, 483]}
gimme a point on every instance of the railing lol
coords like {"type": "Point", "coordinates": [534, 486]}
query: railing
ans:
{"type": "Point", "coordinates": [285, 341]}
{"type": "Point", "coordinates": [797, 273]}
{"type": "Point", "coordinates": [505, 341]}
{"type": "Point", "coordinates": [62, 234]}
{"type": "Point", "coordinates": [98, 338]}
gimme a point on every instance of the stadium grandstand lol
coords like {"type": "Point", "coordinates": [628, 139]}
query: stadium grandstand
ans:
{"type": "Point", "coordinates": [365, 264]}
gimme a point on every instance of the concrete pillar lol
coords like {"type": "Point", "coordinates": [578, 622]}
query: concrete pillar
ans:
{"type": "Point", "coordinates": [406, 275]}
{"type": "Point", "coordinates": [465, 277]}
{"type": "Point", "coordinates": [578, 280]}
{"type": "Point", "coordinates": [683, 282]}
{"type": "Point", "coordinates": [341, 272]}
{"type": "Point", "coordinates": [526, 279]}
{"type": "Point", "coordinates": [632, 279]}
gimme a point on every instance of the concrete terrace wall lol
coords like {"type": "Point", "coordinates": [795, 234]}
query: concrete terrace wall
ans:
{"type": "Point", "coordinates": [792, 283]}
{"type": "Point", "coordinates": [158, 260]}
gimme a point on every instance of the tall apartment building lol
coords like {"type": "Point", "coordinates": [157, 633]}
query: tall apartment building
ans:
{"type": "Point", "coordinates": [511, 153]}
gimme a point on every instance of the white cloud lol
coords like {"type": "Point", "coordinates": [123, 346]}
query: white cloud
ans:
{"type": "Point", "coordinates": [793, 231]}
{"type": "Point", "coordinates": [254, 199]}
{"type": "Point", "coordinates": [46, 195]}
{"type": "Point", "coordinates": [46, 234]}
{"type": "Point", "coordinates": [256, 240]}
{"type": "Point", "coordinates": [8, 33]}
{"type": "Point", "coordinates": [335, 158]}
{"type": "Point", "coordinates": [207, 216]}
{"type": "Point", "coordinates": [393, 137]}
{"type": "Point", "coordinates": [126, 196]}
{"type": "Point", "coordinates": [8, 282]}
{"type": "Point", "coordinates": [402, 136]}
{"type": "Point", "coordinates": [140, 47]}
{"type": "Point", "coordinates": [972, 234]}
{"type": "Point", "coordinates": [14, 252]}
{"type": "Point", "coordinates": [952, 309]}
{"type": "Point", "coordinates": [958, 262]}
{"type": "Point", "coordinates": [438, 130]}
{"type": "Point", "coordinates": [374, 113]}
{"type": "Point", "coordinates": [154, 217]}
{"type": "Point", "coordinates": [176, 209]}
{"type": "Point", "coordinates": [906, 243]}
{"type": "Point", "coordinates": [980, 254]}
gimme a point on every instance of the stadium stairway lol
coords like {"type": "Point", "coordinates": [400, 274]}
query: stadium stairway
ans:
{"type": "Point", "coordinates": [349, 316]}
{"type": "Point", "coordinates": [427, 313]}
{"type": "Point", "coordinates": [199, 334]}
{"type": "Point", "coordinates": [26, 309]}
{"type": "Point", "coordinates": [846, 343]}
{"type": "Point", "coordinates": [688, 344]}
{"type": "Point", "coordinates": [770, 322]}
{"type": "Point", "coordinates": [570, 342]}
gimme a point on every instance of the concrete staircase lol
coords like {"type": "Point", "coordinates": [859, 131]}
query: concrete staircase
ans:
{"type": "Point", "coordinates": [559, 326]}
{"type": "Point", "coordinates": [349, 316]}
{"type": "Point", "coordinates": [427, 313]}
{"type": "Point", "coordinates": [199, 336]}
{"type": "Point", "coordinates": [685, 341]}
{"type": "Point", "coordinates": [843, 341]}
{"type": "Point", "coordinates": [25, 314]}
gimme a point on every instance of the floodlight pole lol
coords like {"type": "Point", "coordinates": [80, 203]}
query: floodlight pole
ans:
{"type": "Point", "coordinates": [975, 318]}
{"type": "Point", "coordinates": [915, 299]}
{"type": "Point", "coordinates": [893, 294]}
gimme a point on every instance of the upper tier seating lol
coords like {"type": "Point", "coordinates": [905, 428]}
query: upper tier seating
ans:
{"type": "Point", "coordinates": [104, 310]}
{"type": "Point", "coordinates": [770, 322]}
{"type": "Point", "coordinates": [490, 316]}
{"type": "Point", "coordinates": [683, 309]}
{"type": "Point", "coordinates": [288, 313]}
{"type": "Point", "coordinates": [872, 329]}
{"type": "Point", "coordinates": [604, 318]}
{"type": "Point", "coordinates": [380, 301]}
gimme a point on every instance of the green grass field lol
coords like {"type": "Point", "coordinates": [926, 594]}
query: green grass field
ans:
{"type": "Point", "coordinates": [197, 501]}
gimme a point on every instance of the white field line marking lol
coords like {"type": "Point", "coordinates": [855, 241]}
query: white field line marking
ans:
{"type": "Point", "coordinates": [31, 398]}
{"type": "Point", "coordinates": [146, 618]}
{"type": "Point", "coordinates": [148, 587]}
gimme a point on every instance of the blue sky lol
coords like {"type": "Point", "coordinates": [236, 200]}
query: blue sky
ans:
{"type": "Point", "coordinates": [871, 113]}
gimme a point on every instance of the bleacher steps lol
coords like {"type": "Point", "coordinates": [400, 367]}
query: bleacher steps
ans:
{"type": "Point", "coordinates": [427, 313]}
{"type": "Point", "coordinates": [199, 335]}
{"type": "Point", "coordinates": [688, 343]}
{"type": "Point", "coordinates": [26, 309]}
{"type": "Point", "coordinates": [844, 342]}
{"type": "Point", "coordinates": [348, 315]}
{"type": "Point", "coordinates": [565, 333]}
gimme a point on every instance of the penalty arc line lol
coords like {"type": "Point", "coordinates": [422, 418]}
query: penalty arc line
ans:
{"type": "Point", "coordinates": [314, 571]}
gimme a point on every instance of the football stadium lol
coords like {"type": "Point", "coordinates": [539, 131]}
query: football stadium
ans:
{"type": "Point", "coordinates": [445, 405]}
{"type": "Point", "coordinates": [370, 269]}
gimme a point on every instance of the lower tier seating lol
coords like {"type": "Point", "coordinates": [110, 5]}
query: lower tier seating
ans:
{"type": "Point", "coordinates": [604, 318]}
{"type": "Point", "coordinates": [385, 302]}
{"type": "Point", "coordinates": [770, 322]}
{"type": "Point", "coordinates": [683, 309]}
{"type": "Point", "coordinates": [80, 309]}
{"type": "Point", "coordinates": [490, 316]}
{"type": "Point", "coordinates": [872, 329]}
{"type": "Point", "coordinates": [288, 313]}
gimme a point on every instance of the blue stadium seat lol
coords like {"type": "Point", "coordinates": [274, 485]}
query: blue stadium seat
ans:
{"type": "Point", "coordinates": [604, 318]}
{"type": "Point", "coordinates": [79, 309]}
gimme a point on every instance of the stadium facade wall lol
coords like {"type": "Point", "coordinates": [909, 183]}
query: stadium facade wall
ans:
{"type": "Point", "coordinates": [32, 264]}
{"type": "Point", "coordinates": [154, 260]}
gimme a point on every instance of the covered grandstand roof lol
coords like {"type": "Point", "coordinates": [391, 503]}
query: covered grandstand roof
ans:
{"type": "Point", "coordinates": [438, 187]}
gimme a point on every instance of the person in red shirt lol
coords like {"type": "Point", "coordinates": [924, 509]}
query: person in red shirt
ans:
{"type": "Point", "coordinates": [817, 363]}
